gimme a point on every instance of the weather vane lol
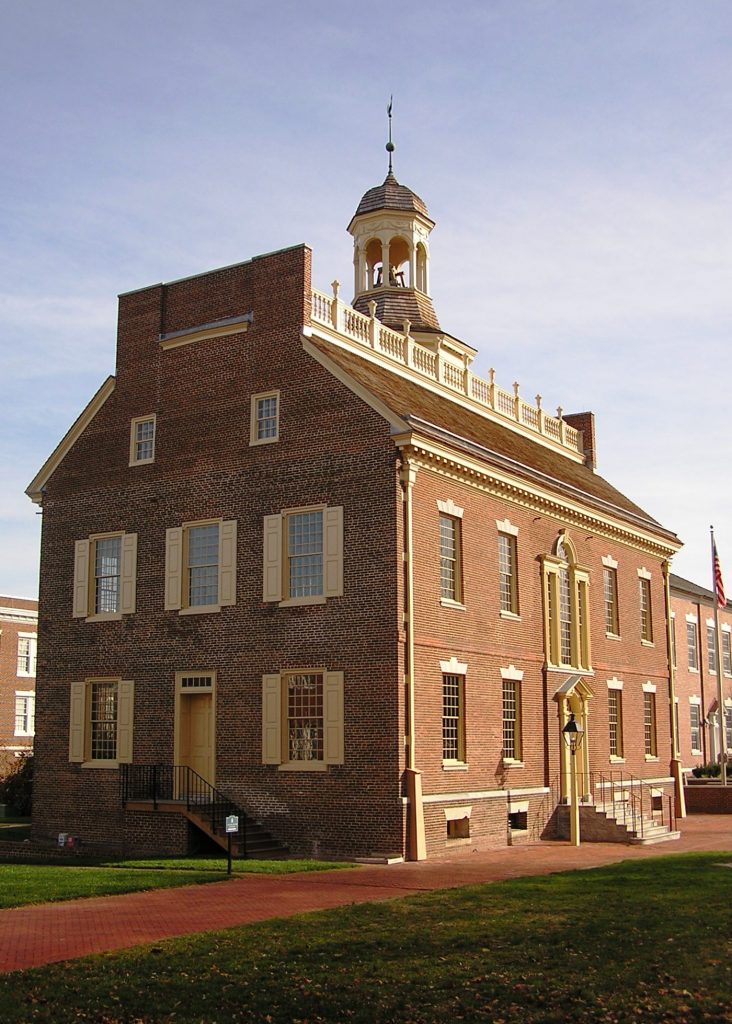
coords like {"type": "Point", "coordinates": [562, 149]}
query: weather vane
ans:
{"type": "Point", "coordinates": [390, 144]}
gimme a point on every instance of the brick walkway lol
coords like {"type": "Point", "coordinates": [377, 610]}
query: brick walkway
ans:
{"type": "Point", "coordinates": [31, 936]}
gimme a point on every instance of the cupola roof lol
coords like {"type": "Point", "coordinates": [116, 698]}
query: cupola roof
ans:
{"type": "Point", "coordinates": [390, 195]}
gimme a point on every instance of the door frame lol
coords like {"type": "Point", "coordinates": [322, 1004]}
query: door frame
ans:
{"type": "Point", "coordinates": [182, 690]}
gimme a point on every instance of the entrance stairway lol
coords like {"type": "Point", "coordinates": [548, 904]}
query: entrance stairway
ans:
{"type": "Point", "coordinates": [627, 809]}
{"type": "Point", "coordinates": [178, 789]}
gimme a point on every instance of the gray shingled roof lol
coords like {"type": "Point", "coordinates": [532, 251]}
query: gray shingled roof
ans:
{"type": "Point", "coordinates": [391, 196]}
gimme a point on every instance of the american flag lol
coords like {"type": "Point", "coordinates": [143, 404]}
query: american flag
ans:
{"type": "Point", "coordinates": [718, 582]}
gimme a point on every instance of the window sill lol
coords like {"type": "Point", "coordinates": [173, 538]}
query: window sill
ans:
{"type": "Point", "coordinates": [294, 602]}
{"type": "Point", "coordinates": [511, 616]}
{"type": "Point", "coordinates": [302, 766]}
{"type": "Point", "coordinates": [694, 670]}
{"type": "Point", "coordinates": [455, 766]}
{"type": "Point", "coordinates": [696, 753]}
{"type": "Point", "coordinates": [647, 643]}
{"type": "Point", "coordinates": [25, 675]}
{"type": "Point", "coordinates": [511, 762]}
{"type": "Point", "coordinates": [615, 759]}
{"type": "Point", "coordinates": [105, 617]}
{"type": "Point", "coordinates": [201, 609]}
{"type": "Point", "coordinates": [651, 757]}
{"type": "Point", "coordinates": [447, 602]}
{"type": "Point", "coordinates": [99, 764]}
{"type": "Point", "coordinates": [613, 636]}
{"type": "Point", "coordinates": [141, 462]}
{"type": "Point", "coordinates": [255, 442]}
{"type": "Point", "coordinates": [30, 735]}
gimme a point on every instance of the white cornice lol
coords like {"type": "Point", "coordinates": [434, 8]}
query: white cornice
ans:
{"type": "Point", "coordinates": [34, 490]}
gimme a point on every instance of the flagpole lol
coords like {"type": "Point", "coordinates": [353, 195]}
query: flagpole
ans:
{"type": "Point", "coordinates": [720, 685]}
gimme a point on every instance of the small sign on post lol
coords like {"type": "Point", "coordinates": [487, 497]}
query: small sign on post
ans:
{"type": "Point", "coordinates": [232, 826]}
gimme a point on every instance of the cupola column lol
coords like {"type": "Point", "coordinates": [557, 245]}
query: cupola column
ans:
{"type": "Point", "coordinates": [385, 261]}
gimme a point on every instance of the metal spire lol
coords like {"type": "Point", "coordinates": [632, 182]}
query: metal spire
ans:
{"type": "Point", "coordinates": [390, 145]}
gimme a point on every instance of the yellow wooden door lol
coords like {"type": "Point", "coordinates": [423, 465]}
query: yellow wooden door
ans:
{"type": "Point", "coordinates": [196, 734]}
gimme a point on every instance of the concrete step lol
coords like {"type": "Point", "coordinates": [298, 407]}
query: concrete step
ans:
{"type": "Point", "coordinates": [647, 840]}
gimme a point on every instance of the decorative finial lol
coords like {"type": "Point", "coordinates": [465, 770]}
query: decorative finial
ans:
{"type": "Point", "coordinates": [390, 144]}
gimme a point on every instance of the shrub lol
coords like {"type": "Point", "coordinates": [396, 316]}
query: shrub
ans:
{"type": "Point", "coordinates": [17, 788]}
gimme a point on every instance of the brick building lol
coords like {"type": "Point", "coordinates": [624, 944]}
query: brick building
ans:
{"type": "Point", "coordinates": [18, 632]}
{"type": "Point", "coordinates": [696, 667]}
{"type": "Point", "coordinates": [299, 548]}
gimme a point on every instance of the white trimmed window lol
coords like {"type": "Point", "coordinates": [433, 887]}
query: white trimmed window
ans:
{"type": "Point", "coordinates": [25, 713]}
{"type": "Point", "coordinates": [303, 555]}
{"type": "Point", "coordinates": [726, 652]}
{"type": "Point", "coordinates": [672, 634]}
{"type": "Point", "coordinates": [508, 573]}
{"type": "Point", "coordinates": [105, 576]}
{"type": "Point", "coordinates": [302, 719]}
{"type": "Point", "coordinates": [101, 717]}
{"type": "Point", "coordinates": [649, 723]}
{"type": "Point", "coordinates": [615, 721]}
{"type": "Point", "coordinates": [264, 424]}
{"type": "Point", "coordinates": [646, 617]}
{"type": "Point", "coordinates": [610, 592]}
{"type": "Point", "coordinates": [566, 607]}
{"type": "Point", "coordinates": [512, 746]}
{"type": "Point", "coordinates": [142, 440]}
{"type": "Point", "coordinates": [711, 649]}
{"type": "Point", "coordinates": [200, 566]}
{"type": "Point", "coordinates": [451, 571]}
{"type": "Point", "coordinates": [728, 726]}
{"type": "Point", "coordinates": [692, 644]}
{"type": "Point", "coordinates": [26, 663]}
{"type": "Point", "coordinates": [453, 718]}
{"type": "Point", "coordinates": [696, 728]}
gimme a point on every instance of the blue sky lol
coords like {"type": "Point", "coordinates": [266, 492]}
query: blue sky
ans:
{"type": "Point", "coordinates": [576, 155]}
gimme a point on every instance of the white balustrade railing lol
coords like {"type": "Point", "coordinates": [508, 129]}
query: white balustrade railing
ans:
{"type": "Point", "coordinates": [400, 348]}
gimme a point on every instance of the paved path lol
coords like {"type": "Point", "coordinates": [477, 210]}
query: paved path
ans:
{"type": "Point", "coordinates": [31, 936]}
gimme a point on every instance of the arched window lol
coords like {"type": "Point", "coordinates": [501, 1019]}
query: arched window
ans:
{"type": "Point", "coordinates": [566, 607]}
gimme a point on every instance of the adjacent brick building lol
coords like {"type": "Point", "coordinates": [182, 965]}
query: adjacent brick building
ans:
{"type": "Point", "coordinates": [18, 633]}
{"type": "Point", "coordinates": [696, 668]}
{"type": "Point", "coordinates": [299, 548]}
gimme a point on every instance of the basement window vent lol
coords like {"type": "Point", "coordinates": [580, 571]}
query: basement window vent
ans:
{"type": "Point", "coordinates": [458, 828]}
{"type": "Point", "coordinates": [196, 683]}
{"type": "Point", "coordinates": [518, 821]}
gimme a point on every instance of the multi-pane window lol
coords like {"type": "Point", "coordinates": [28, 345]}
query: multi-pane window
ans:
{"type": "Point", "coordinates": [726, 653]}
{"type": "Point", "coordinates": [610, 590]}
{"type": "Point", "coordinates": [304, 695]}
{"type": "Point", "coordinates": [507, 573]}
{"type": "Point", "coordinates": [107, 572]}
{"type": "Point", "coordinates": [202, 543]}
{"type": "Point", "coordinates": [266, 418]}
{"type": "Point", "coordinates": [692, 646]}
{"type": "Point", "coordinates": [615, 721]}
{"type": "Point", "coordinates": [26, 664]}
{"type": "Point", "coordinates": [142, 440]}
{"type": "Point", "coordinates": [25, 714]}
{"type": "Point", "coordinates": [200, 566]}
{"type": "Point", "coordinates": [511, 720]}
{"type": "Point", "coordinates": [695, 723]}
{"type": "Point", "coordinates": [711, 649]}
{"type": "Point", "coordinates": [305, 554]}
{"type": "Point", "coordinates": [672, 634]}
{"type": "Point", "coordinates": [565, 618]}
{"type": "Point", "coordinates": [649, 723]}
{"type": "Point", "coordinates": [103, 721]}
{"type": "Point", "coordinates": [728, 728]}
{"type": "Point", "coordinates": [453, 720]}
{"type": "Point", "coordinates": [646, 620]}
{"type": "Point", "coordinates": [450, 568]}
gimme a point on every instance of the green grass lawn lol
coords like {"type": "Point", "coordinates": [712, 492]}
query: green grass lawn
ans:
{"type": "Point", "coordinates": [21, 884]}
{"type": "Point", "coordinates": [637, 942]}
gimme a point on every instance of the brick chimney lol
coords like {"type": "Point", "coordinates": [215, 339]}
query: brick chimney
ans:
{"type": "Point", "coordinates": [585, 422]}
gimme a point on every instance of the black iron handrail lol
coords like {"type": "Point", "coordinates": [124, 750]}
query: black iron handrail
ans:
{"type": "Point", "coordinates": [177, 783]}
{"type": "Point", "coordinates": [637, 800]}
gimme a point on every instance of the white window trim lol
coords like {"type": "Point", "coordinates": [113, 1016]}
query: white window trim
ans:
{"type": "Point", "coordinates": [457, 813]}
{"type": "Point", "coordinates": [649, 687]}
{"type": "Point", "coordinates": [513, 674]}
{"type": "Point", "coordinates": [449, 508]}
{"type": "Point", "coordinates": [133, 439]}
{"type": "Point", "coordinates": [615, 683]}
{"type": "Point", "coordinates": [453, 667]}
{"type": "Point", "coordinates": [644, 574]}
{"type": "Point", "coordinates": [32, 653]}
{"type": "Point", "coordinates": [609, 562]}
{"type": "Point", "coordinates": [506, 526]}
{"type": "Point", "coordinates": [26, 694]}
{"type": "Point", "coordinates": [253, 439]}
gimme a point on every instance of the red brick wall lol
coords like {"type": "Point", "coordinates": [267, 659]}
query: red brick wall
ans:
{"type": "Point", "coordinates": [332, 448]}
{"type": "Point", "coordinates": [486, 642]}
